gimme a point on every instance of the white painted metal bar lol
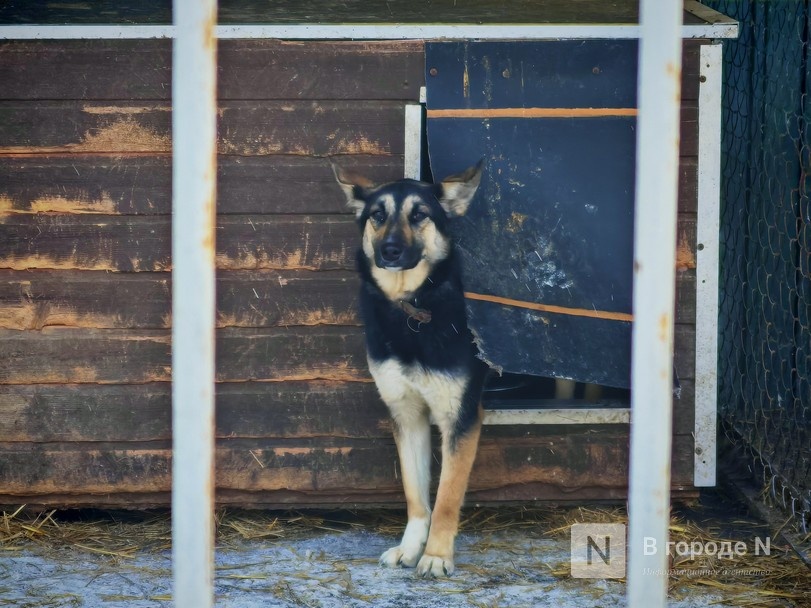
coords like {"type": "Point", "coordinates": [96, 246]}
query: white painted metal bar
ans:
{"type": "Point", "coordinates": [707, 264]}
{"type": "Point", "coordinates": [558, 415]}
{"type": "Point", "coordinates": [412, 155]}
{"type": "Point", "coordinates": [194, 131]}
{"type": "Point", "coordinates": [506, 31]}
{"type": "Point", "coordinates": [85, 32]}
{"type": "Point", "coordinates": [382, 31]}
{"type": "Point", "coordinates": [657, 163]}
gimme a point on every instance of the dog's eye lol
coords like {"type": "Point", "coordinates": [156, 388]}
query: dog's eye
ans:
{"type": "Point", "coordinates": [418, 216]}
{"type": "Point", "coordinates": [378, 216]}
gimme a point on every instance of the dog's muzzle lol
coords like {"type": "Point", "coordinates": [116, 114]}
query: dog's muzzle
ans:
{"type": "Point", "coordinates": [393, 255]}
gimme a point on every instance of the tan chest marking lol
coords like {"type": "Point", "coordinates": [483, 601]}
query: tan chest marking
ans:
{"type": "Point", "coordinates": [409, 389]}
{"type": "Point", "coordinates": [401, 284]}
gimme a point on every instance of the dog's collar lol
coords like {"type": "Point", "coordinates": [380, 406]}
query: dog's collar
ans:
{"type": "Point", "coordinates": [420, 315]}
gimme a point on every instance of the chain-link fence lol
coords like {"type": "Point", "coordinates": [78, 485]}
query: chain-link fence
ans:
{"type": "Point", "coordinates": [765, 299]}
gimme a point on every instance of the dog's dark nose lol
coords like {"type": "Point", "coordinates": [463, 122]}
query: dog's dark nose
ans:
{"type": "Point", "coordinates": [391, 252]}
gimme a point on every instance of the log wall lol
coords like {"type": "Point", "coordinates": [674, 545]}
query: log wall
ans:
{"type": "Point", "coordinates": [85, 283]}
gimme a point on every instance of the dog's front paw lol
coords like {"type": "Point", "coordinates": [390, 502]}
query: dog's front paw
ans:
{"type": "Point", "coordinates": [434, 566]}
{"type": "Point", "coordinates": [401, 556]}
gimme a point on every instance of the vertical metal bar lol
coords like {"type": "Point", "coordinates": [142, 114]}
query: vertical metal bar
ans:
{"type": "Point", "coordinates": [412, 161]}
{"type": "Point", "coordinates": [657, 162]}
{"type": "Point", "coordinates": [194, 114]}
{"type": "Point", "coordinates": [709, 195]}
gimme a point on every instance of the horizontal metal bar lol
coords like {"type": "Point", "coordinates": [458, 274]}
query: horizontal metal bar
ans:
{"type": "Point", "coordinates": [580, 415]}
{"type": "Point", "coordinates": [85, 32]}
{"type": "Point", "coordinates": [381, 31]}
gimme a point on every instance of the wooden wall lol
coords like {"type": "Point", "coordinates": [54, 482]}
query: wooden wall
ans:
{"type": "Point", "coordinates": [85, 315]}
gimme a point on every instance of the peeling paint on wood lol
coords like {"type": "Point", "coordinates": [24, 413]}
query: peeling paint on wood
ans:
{"type": "Point", "coordinates": [586, 459]}
{"type": "Point", "coordinates": [123, 135]}
{"type": "Point", "coordinates": [105, 300]}
{"type": "Point", "coordinates": [141, 185]}
{"type": "Point", "coordinates": [139, 244]}
{"type": "Point", "coordinates": [61, 204]}
{"type": "Point", "coordinates": [685, 251]}
{"type": "Point", "coordinates": [244, 128]}
{"type": "Point", "coordinates": [63, 355]}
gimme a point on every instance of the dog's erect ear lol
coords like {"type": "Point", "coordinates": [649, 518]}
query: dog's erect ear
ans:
{"type": "Point", "coordinates": [458, 190]}
{"type": "Point", "coordinates": [353, 186]}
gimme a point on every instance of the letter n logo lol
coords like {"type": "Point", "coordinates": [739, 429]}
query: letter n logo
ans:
{"type": "Point", "coordinates": [598, 551]}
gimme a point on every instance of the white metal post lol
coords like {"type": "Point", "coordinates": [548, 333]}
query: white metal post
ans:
{"type": "Point", "coordinates": [412, 157]}
{"type": "Point", "coordinates": [194, 132]}
{"type": "Point", "coordinates": [657, 163]}
{"type": "Point", "coordinates": [709, 202]}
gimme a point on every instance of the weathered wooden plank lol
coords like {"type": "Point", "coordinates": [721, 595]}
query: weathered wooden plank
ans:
{"type": "Point", "coordinates": [84, 69]}
{"type": "Point", "coordinates": [506, 496]}
{"type": "Point", "coordinates": [686, 297]}
{"type": "Point", "coordinates": [49, 413]}
{"type": "Point", "coordinates": [684, 408]}
{"type": "Point", "coordinates": [685, 351]}
{"type": "Point", "coordinates": [314, 128]}
{"type": "Point", "coordinates": [584, 12]}
{"type": "Point", "coordinates": [59, 413]}
{"type": "Point", "coordinates": [103, 300]}
{"type": "Point", "coordinates": [88, 242]}
{"type": "Point", "coordinates": [471, 12]}
{"type": "Point", "coordinates": [688, 184]}
{"type": "Point", "coordinates": [141, 185]}
{"type": "Point", "coordinates": [287, 298]}
{"type": "Point", "coordinates": [111, 356]}
{"type": "Point", "coordinates": [688, 132]}
{"type": "Point", "coordinates": [60, 355]}
{"type": "Point", "coordinates": [140, 243]}
{"type": "Point", "coordinates": [61, 12]}
{"type": "Point", "coordinates": [597, 458]}
{"type": "Point", "coordinates": [97, 299]}
{"type": "Point", "coordinates": [273, 69]}
{"type": "Point", "coordinates": [247, 69]}
{"type": "Point", "coordinates": [142, 412]}
{"type": "Point", "coordinates": [133, 243]}
{"type": "Point", "coordinates": [690, 68]}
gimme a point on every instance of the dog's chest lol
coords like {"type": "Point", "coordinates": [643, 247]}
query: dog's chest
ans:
{"type": "Point", "coordinates": [408, 388]}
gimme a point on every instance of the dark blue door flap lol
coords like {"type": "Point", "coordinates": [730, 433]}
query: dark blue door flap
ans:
{"type": "Point", "coordinates": [547, 244]}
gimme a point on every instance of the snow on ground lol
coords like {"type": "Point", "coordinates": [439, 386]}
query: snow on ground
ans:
{"type": "Point", "coordinates": [509, 568]}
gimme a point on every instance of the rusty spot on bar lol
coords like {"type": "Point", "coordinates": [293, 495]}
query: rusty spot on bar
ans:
{"type": "Point", "coordinates": [664, 327]}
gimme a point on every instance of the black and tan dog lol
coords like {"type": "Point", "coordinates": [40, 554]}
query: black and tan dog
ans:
{"type": "Point", "coordinates": [420, 350]}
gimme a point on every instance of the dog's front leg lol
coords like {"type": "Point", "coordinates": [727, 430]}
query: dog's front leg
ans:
{"type": "Point", "coordinates": [458, 454]}
{"type": "Point", "coordinates": [412, 433]}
